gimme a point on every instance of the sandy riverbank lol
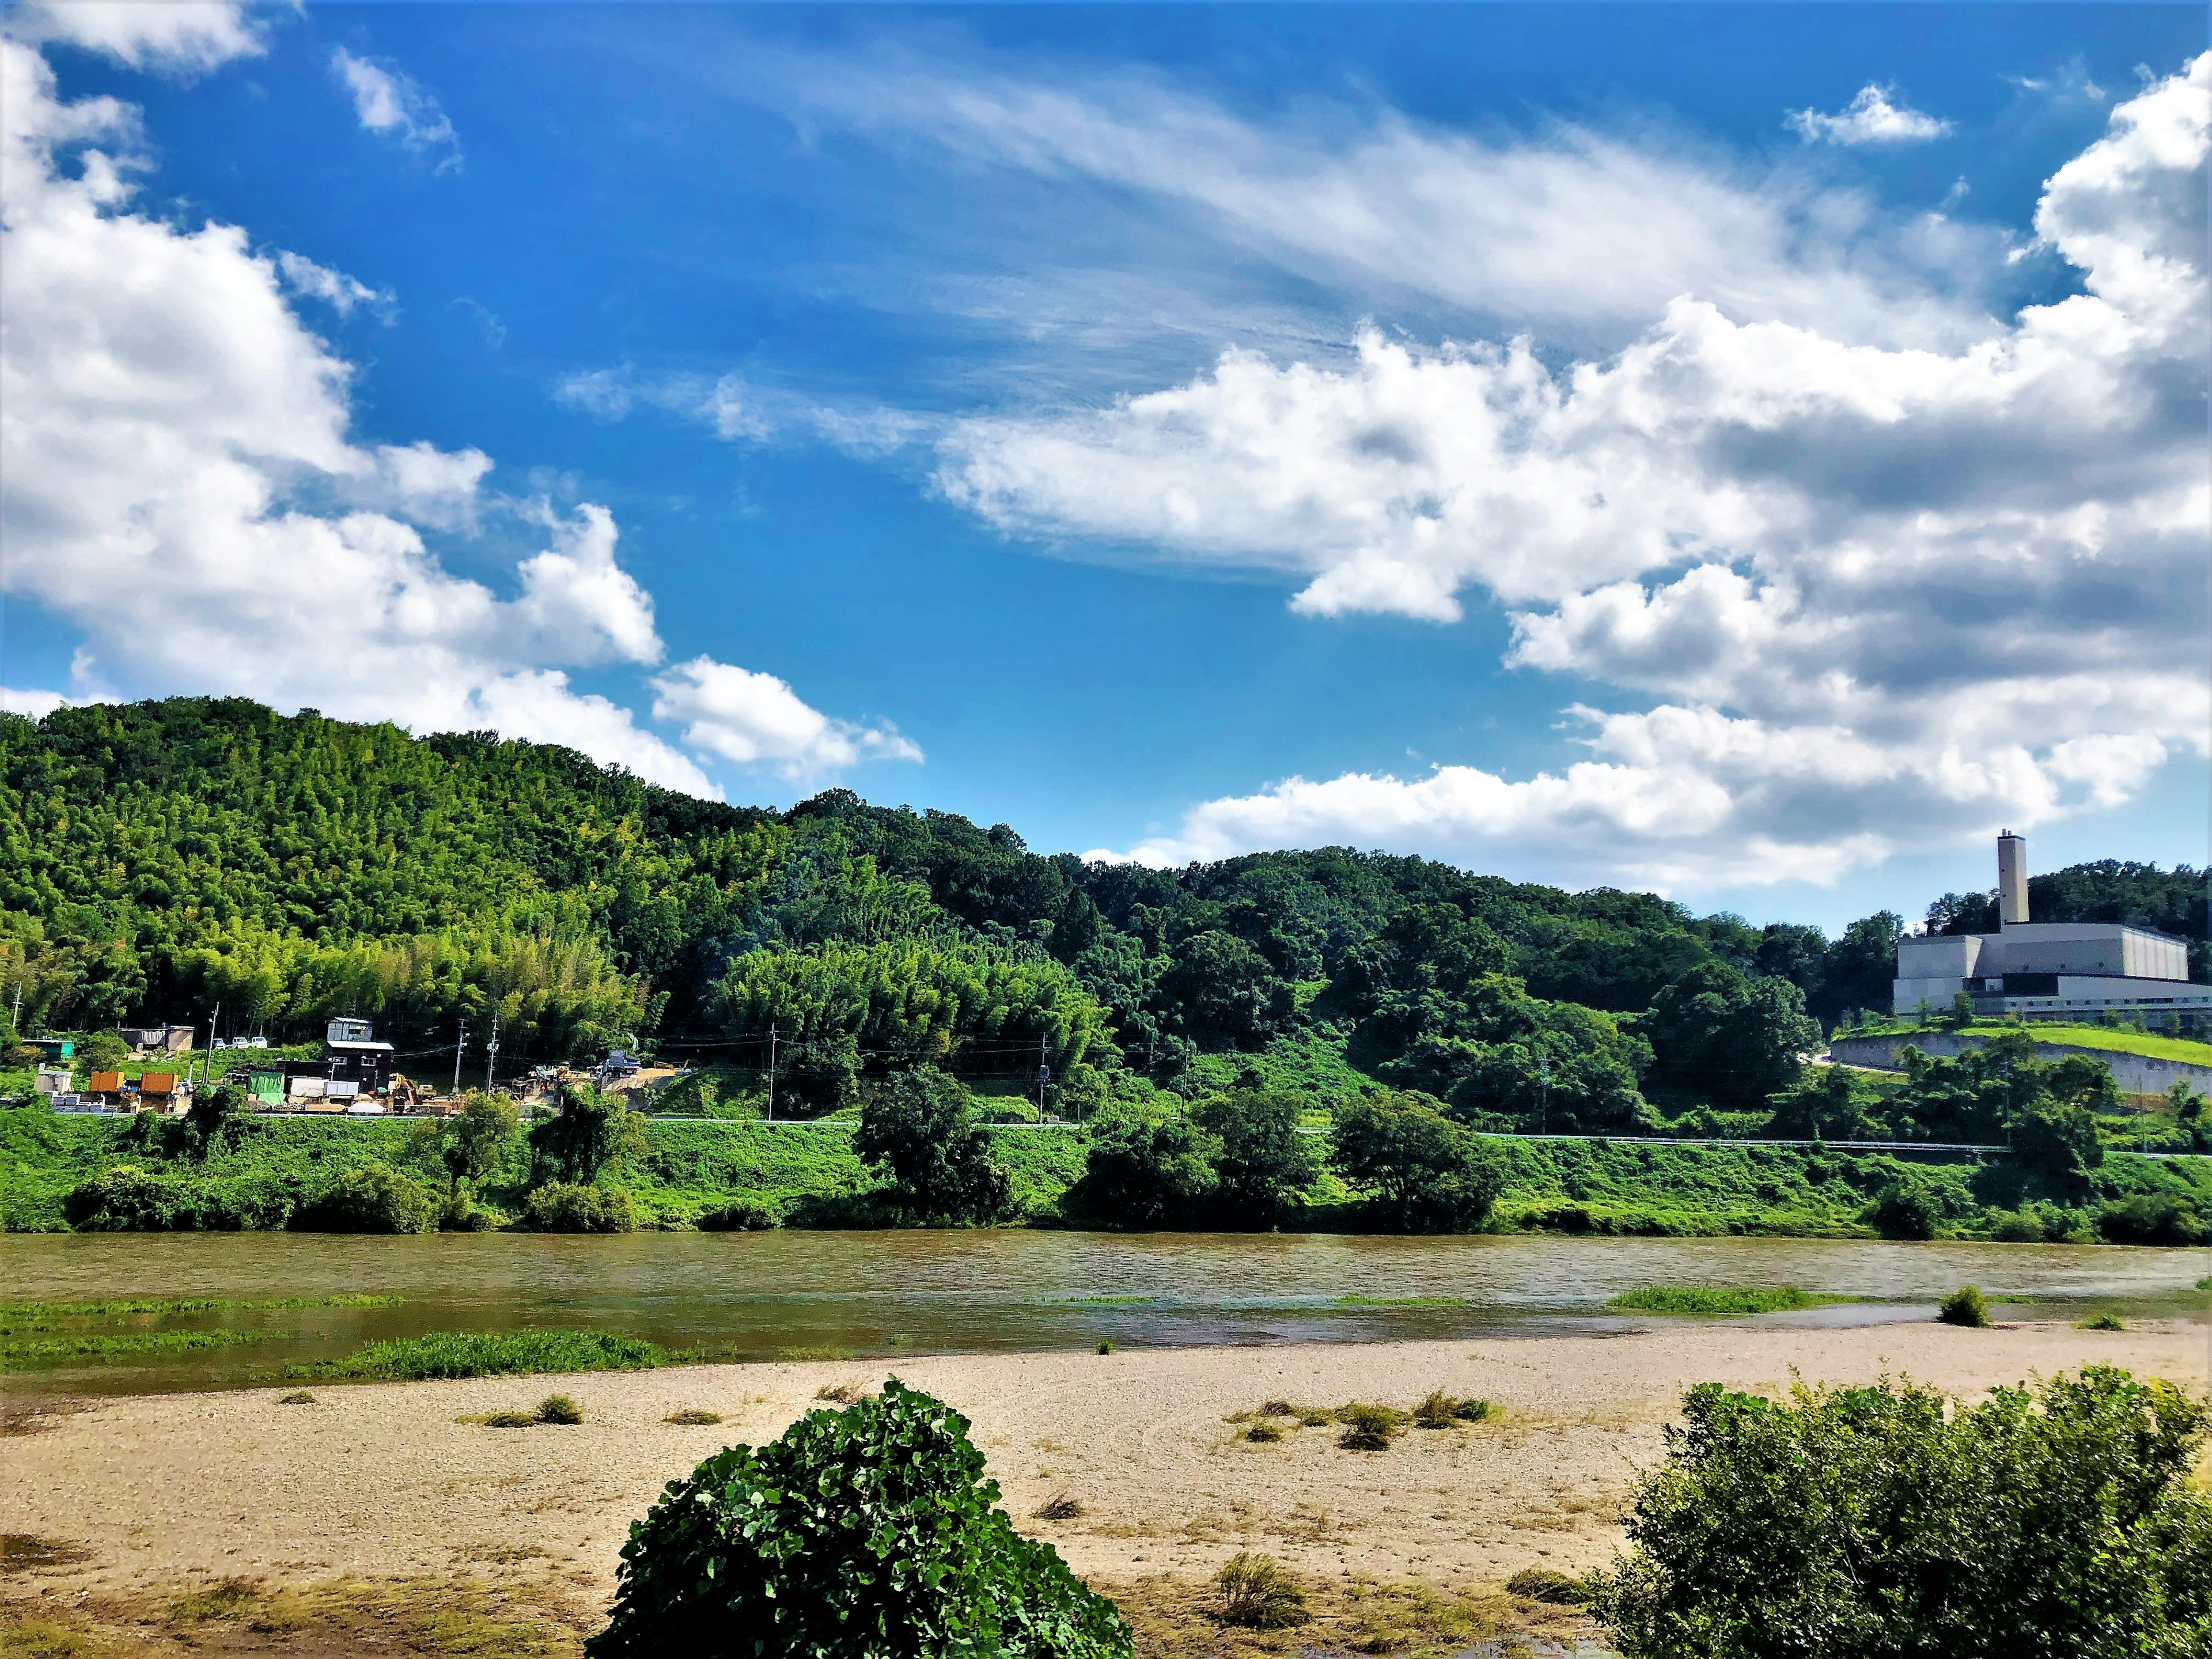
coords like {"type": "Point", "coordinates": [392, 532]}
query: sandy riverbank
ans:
{"type": "Point", "coordinates": [383, 1480]}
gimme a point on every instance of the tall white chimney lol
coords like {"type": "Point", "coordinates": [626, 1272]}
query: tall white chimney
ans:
{"type": "Point", "coordinates": [2012, 878]}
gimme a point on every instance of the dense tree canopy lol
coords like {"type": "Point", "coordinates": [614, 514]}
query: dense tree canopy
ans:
{"type": "Point", "coordinates": [161, 860]}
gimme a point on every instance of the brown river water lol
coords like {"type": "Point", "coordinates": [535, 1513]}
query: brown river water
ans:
{"type": "Point", "coordinates": [818, 1295]}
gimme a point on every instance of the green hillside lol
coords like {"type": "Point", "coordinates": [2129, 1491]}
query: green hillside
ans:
{"type": "Point", "coordinates": [164, 860]}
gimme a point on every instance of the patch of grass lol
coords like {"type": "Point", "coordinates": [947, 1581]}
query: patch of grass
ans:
{"type": "Point", "coordinates": [1102, 1300]}
{"type": "Point", "coordinates": [1718, 1299]}
{"type": "Point", "coordinates": [488, 1353]}
{"type": "Point", "coordinates": [224, 1599]}
{"type": "Point", "coordinates": [1551, 1586]}
{"type": "Point", "coordinates": [2104, 1321]}
{"type": "Point", "coordinates": [21, 1551]}
{"type": "Point", "coordinates": [841, 1393]}
{"type": "Point", "coordinates": [297, 1397]}
{"type": "Point", "coordinates": [14, 1310]}
{"type": "Point", "coordinates": [1966, 1306]}
{"type": "Point", "coordinates": [559, 1408]}
{"type": "Point", "coordinates": [1442, 1411]}
{"type": "Point", "coordinates": [692, 1417]}
{"type": "Point", "coordinates": [1105, 1347]}
{"type": "Point", "coordinates": [1263, 1432]}
{"type": "Point", "coordinates": [1369, 1428]}
{"type": "Point", "coordinates": [1256, 1593]}
{"type": "Point", "coordinates": [21, 1353]}
{"type": "Point", "coordinates": [1401, 1302]}
{"type": "Point", "coordinates": [554, 1409]}
{"type": "Point", "coordinates": [503, 1420]}
{"type": "Point", "coordinates": [1060, 1507]}
{"type": "Point", "coordinates": [2205, 1283]}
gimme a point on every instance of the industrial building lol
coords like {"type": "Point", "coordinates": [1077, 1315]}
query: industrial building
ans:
{"type": "Point", "coordinates": [2046, 969]}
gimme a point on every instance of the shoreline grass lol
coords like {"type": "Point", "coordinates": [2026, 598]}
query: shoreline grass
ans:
{"type": "Point", "coordinates": [25, 1353]}
{"type": "Point", "coordinates": [167, 1304]}
{"type": "Point", "coordinates": [449, 1354]}
{"type": "Point", "coordinates": [1720, 1299]}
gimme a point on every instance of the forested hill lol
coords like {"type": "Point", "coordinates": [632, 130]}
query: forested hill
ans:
{"type": "Point", "coordinates": [160, 859]}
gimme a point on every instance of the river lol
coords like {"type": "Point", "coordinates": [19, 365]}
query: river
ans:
{"type": "Point", "coordinates": [807, 1295]}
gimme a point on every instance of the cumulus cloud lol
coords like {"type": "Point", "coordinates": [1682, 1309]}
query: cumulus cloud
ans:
{"type": "Point", "coordinates": [756, 719]}
{"type": "Point", "coordinates": [393, 105]}
{"type": "Point", "coordinates": [1884, 595]}
{"type": "Point", "coordinates": [30, 702]}
{"type": "Point", "coordinates": [183, 486]}
{"type": "Point", "coordinates": [173, 36]}
{"type": "Point", "coordinates": [1873, 117]}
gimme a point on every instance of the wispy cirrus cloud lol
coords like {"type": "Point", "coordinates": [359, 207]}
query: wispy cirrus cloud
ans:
{"type": "Point", "coordinates": [392, 105]}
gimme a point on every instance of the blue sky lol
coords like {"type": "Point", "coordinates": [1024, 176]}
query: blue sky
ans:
{"type": "Point", "coordinates": [880, 352]}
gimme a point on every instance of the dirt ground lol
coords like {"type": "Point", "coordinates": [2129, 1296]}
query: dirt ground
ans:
{"type": "Point", "coordinates": [300, 1522]}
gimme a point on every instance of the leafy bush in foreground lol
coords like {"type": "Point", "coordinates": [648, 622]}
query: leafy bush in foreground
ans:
{"type": "Point", "coordinates": [868, 1532]}
{"type": "Point", "coordinates": [1882, 1522]}
{"type": "Point", "coordinates": [488, 1353]}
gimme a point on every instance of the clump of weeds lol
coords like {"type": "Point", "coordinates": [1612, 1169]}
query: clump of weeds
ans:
{"type": "Point", "coordinates": [1255, 1594]}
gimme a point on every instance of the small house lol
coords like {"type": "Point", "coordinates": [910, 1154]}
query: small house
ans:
{"type": "Point", "coordinates": [107, 1086]}
{"type": "Point", "coordinates": [353, 1063]}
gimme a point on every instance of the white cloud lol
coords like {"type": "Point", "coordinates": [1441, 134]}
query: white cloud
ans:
{"type": "Point", "coordinates": [1871, 118]}
{"type": "Point", "coordinates": [29, 701]}
{"type": "Point", "coordinates": [756, 719]}
{"type": "Point", "coordinates": [393, 105]}
{"type": "Point", "coordinates": [335, 288]}
{"type": "Point", "coordinates": [183, 486]}
{"type": "Point", "coordinates": [176, 36]}
{"type": "Point", "coordinates": [1884, 596]}
{"type": "Point", "coordinates": [1564, 228]}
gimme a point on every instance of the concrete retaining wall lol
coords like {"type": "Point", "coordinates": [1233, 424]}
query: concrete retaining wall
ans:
{"type": "Point", "coordinates": [2132, 1074]}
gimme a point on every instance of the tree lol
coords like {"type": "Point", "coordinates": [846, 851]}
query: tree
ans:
{"type": "Point", "coordinates": [865, 1533]}
{"type": "Point", "coordinates": [1823, 1107]}
{"type": "Point", "coordinates": [591, 1132]}
{"type": "Point", "coordinates": [212, 1112]}
{"type": "Point", "coordinates": [1265, 1165]}
{"type": "Point", "coordinates": [1229, 994]}
{"type": "Point", "coordinates": [1727, 1039]}
{"type": "Point", "coordinates": [920, 1129]}
{"type": "Point", "coordinates": [1423, 1167]}
{"type": "Point", "coordinates": [103, 1051]}
{"type": "Point", "coordinates": [1861, 971]}
{"type": "Point", "coordinates": [1884, 1522]}
{"type": "Point", "coordinates": [473, 1141]}
{"type": "Point", "coordinates": [371, 1198]}
{"type": "Point", "coordinates": [1142, 1174]}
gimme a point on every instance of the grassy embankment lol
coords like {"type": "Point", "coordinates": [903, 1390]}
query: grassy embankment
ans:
{"type": "Point", "coordinates": [2113, 1039]}
{"type": "Point", "coordinates": [694, 1166]}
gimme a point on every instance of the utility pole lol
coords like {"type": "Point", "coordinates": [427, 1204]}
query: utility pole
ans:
{"type": "Point", "coordinates": [461, 1038]}
{"type": "Point", "coordinates": [1043, 1072]}
{"type": "Point", "coordinates": [771, 1071]}
{"type": "Point", "coordinates": [1544, 1097]}
{"type": "Point", "coordinates": [15, 1019]}
{"type": "Point", "coordinates": [491, 1059]}
{"type": "Point", "coordinates": [207, 1058]}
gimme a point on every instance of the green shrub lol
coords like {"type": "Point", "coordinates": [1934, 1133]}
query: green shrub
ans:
{"type": "Point", "coordinates": [297, 1397]}
{"type": "Point", "coordinates": [1263, 1432]}
{"type": "Point", "coordinates": [124, 1198]}
{"type": "Point", "coordinates": [1442, 1411]}
{"type": "Point", "coordinates": [2104, 1321]}
{"type": "Point", "coordinates": [563, 1206]}
{"type": "Point", "coordinates": [1904, 1209]}
{"type": "Point", "coordinates": [2153, 1218]}
{"type": "Point", "coordinates": [1140, 1175]}
{"type": "Point", "coordinates": [1551, 1586]}
{"type": "Point", "coordinates": [867, 1531]}
{"type": "Point", "coordinates": [560, 1409]}
{"type": "Point", "coordinates": [1890, 1520]}
{"type": "Point", "coordinates": [920, 1130]}
{"type": "Point", "coordinates": [743, 1215]}
{"type": "Point", "coordinates": [1256, 1593]}
{"type": "Point", "coordinates": [1966, 1306]}
{"type": "Point", "coordinates": [489, 1353]}
{"type": "Point", "coordinates": [2019, 1227]}
{"type": "Point", "coordinates": [509, 1419]}
{"type": "Point", "coordinates": [1716, 1299]}
{"type": "Point", "coordinates": [692, 1416]}
{"type": "Point", "coordinates": [373, 1199]}
{"type": "Point", "coordinates": [1368, 1428]}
